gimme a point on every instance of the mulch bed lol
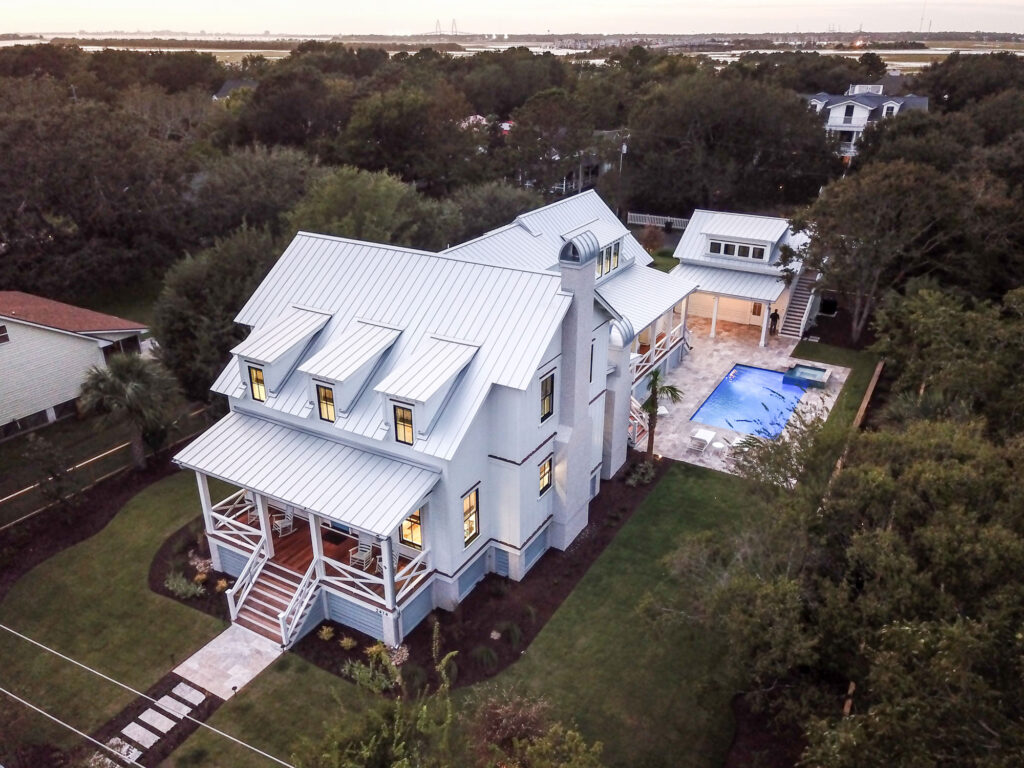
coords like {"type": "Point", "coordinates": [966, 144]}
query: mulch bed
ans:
{"type": "Point", "coordinates": [173, 556]}
{"type": "Point", "coordinates": [837, 330]}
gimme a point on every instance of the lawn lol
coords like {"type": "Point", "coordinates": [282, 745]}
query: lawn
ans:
{"type": "Point", "coordinates": [862, 367]}
{"type": "Point", "coordinates": [664, 260]}
{"type": "Point", "coordinates": [92, 603]}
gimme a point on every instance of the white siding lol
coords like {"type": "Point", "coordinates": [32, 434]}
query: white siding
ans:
{"type": "Point", "coordinates": [40, 368]}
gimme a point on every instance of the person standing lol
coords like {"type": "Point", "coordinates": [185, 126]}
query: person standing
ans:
{"type": "Point", "coordinates": [773, 322]}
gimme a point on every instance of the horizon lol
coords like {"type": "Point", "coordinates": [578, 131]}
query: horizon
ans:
{"type": "Point", "coordinates": [604, 17]}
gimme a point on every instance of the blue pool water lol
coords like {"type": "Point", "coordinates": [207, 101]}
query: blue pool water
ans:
{"type": "Point", "coordinates": [750, 400]}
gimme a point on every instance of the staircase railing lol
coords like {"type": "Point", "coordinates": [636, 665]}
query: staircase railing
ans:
{"type": "Point", "coordinates": [638, 421]}
{"type": "Point", "coordinates": [247, 578]}
{"type": "Point", "coordinates": [291, 617]}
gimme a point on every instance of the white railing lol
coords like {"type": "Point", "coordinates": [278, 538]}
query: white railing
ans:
{"type": "Point", "coordinates": [641, 364]}
{"type": "Point", "coordinates": [813, 302]}
{"type": "Point", "coordinates": [648, 220]}
{"type": "Point", "coordinates": [227, 516]}
{"type": "Point", "coordinates": [412, 574]}
{"type": "Point", "coordinates": [638, 422]}
{"type": "Point", "coordinates": [292, 616]}
{"type": "Point", "coordinates": [354, 580]}
{"type": "Point", "coordinates": [247, 578]}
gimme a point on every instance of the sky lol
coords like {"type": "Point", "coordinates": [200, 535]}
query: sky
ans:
{"type": "Point", "coordinates": [510, 16]}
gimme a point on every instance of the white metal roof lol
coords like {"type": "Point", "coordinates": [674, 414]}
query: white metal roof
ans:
{"type": "Point", "coordinates": [743, 226]}
{"type": "Point", "coordinates": [606, 232]}
{"type": "Point", "coordinates": [360, 343]}
{"type": "Point", "coordinates": [693, 246]}
{"type": "Point", "coordinates": [421, 376]}
{"type": "Point", "coordinates": [511, 313]}
{"type": "Point", "coordinates": [733, 283]}
{"type": "Point", "coordinates": [366, 490]}
{"type": "Point", "coordinates": [270, 341]}
{"type": "Point", "coordinates": [642, 294]}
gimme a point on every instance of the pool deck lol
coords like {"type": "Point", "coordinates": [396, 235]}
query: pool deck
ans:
{"type": "Point", "coordinates": [705, 366]}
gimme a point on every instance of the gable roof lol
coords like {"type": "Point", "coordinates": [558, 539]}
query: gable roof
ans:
{"type": "Point", "coordinates": [17, 305]}
{"type": "Point", "coordinates": [743, 227]}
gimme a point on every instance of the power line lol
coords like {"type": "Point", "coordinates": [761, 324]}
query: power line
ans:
{"type": "Point", "coordinates": [140, 694]}
{"type": "Point", "coordinates": [70, 727]}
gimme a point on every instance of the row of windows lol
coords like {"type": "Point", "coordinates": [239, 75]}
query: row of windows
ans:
{"type": "Point", "coordinates": [608, 259]}
{"type": "Point", "coordinates": [737, 249]}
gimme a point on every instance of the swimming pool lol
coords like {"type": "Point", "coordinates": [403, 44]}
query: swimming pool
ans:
{"type": "Point", "coordinates": [754, 401]}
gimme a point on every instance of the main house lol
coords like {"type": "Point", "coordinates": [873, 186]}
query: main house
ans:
{"type": "Point", "coordinates": [46, 349]}
{"type": "Point", "coordinates": [736, 260]}
{"type": "Point", "coordinates": [402, 423]}
{"type": "Point", "coordinates": [848, 115]}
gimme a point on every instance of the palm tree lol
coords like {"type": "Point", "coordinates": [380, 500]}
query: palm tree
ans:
{"type": "Point", "coordinates": [658, 392]}
{"type": "Point", "coordinates": [136, 390]}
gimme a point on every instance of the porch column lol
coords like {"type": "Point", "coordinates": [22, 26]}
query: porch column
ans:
{"type": "Point", "coordinates": [388, 569]}
{"type": "Point", "coordinates": [714, 316]}
{"type": "Point", "coordinates": [765, 310]}
{"type": "Point", "coordinates": [686, 314]}
{"type": "Point", "coordinates": [204, 500]}
{"type": "Point", "coordinates": [264, 512]}
{"type": "Point", "coordinates": [316, 535]}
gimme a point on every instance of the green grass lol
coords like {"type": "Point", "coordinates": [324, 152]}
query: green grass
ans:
{"type": "Point", "coordinates": [664, 260]}
{"type": "Point", "coordinates": [862, 368]}
{"type": "Point", "coordinates": [92, 602]}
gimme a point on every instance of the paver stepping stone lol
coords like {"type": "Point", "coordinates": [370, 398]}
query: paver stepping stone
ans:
{"type": "Point", "coordinates": [172, 705]}
{"type": "Point", "coordinates": [158, 721]}
{"type": "Point", "coordinates": [124, 749]}
{"type": "Point", "coordinates": [188, 693]}
{"type": "Point", "coordinates": [140, 735]}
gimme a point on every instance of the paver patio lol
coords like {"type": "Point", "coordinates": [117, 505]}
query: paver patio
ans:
{"type": "Point", "coordinates": [706, 365]}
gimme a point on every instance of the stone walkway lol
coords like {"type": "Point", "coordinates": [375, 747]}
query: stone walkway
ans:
{"type": "Point", "coordinates": [229, 661]}
{"type": "Point", "coordinates": [706, 365]}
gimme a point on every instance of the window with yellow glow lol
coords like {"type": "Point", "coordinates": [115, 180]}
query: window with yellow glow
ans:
{"type": "Point", "coordinates": [607, 252]}
{"type": "Point", "coordinates": [600, 265]}
{"type": "Point", "coordinates": [412, 532]}
{"type": "Point", "coordinates": [403, 424]}
{"type": "Point", "coordinates": [259, 390]}
{"type": "Point", "coordinates": [470, 517]}
{"type": "Point", "coordinates": [615, 256]}
{"type": "Point", "coordinates": [547, 396]}
{"type": "Point", "coordinates": [545, 475]}
{"type": "Point", "coordinates": [325, 397]}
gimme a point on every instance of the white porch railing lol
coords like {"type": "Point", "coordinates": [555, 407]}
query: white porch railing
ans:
{"type": "Point", "coordinates": [649, 220]}
{"type": "Point", "coordinates": [641, 364]}
{"type": "Point", "coordinates": [638, 422]}
{"type": "Point", "coordinates": [412, 574]}
{"type": "Point", "coordinates": [292, 616]}
{"type": "Point", "coordinates": [347, 578]}
{"type": "Point", "coordinates": [247, 578]}
{"type": "Point", "coordinates": [228, 522]}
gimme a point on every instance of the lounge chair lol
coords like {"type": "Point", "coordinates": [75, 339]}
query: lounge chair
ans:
{"type": "Point", "coordinates": [700, 439]}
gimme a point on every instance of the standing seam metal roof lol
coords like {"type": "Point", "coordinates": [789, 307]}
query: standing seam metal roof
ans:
{"type": "Point", "coordinates": [270, 342]}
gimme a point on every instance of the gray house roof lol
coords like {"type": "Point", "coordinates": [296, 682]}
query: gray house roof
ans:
{"type": "Point", "coordinates": [873, 101]}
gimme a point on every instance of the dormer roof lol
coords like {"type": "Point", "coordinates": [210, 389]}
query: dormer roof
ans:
{"type": "Point", "coordinates": [361, 344]}
{"type": "Point", "coordinates": [272, 341]}
{"type": "Point", "coordinates": [429, 373]}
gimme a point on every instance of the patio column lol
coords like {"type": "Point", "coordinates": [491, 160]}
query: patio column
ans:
{"type": "Point", "coordinates": [686, 314]}
{"type": "Point", "coordinates": [714, 316]}
{"type": "Point", "coordinates": [766, 308]}
{"type": "Point", "coordinates": [204, 500]}
{"type": "Point", "coordinates": [263, 509]}
{"type": "Point", "coordinates": [388, 569]}
{"type": "Point", "coordinates": [316, 535]}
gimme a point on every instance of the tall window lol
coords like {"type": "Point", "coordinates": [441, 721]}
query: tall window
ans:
{"type": "Point", "coordinates": [412, 532]}
{"type": "Point", "coordinates": [545, 475]}
{"type": "Point", "coordinates": [615, 255]}
{"type": "Point", "coordinates": [4, 336]}
{"type": "Point", "coordinates": [600, 265]}
{"type": "Point", "coordinates": [547, 396]}
{"type": "Point", "coordinates": [325, 397]}
{"type": "Point", "coordinates": [403, 424]}
{"type": "Point", "coordinates": [470, 517]}
{"type": "Point", "coordinates": [259, 389]}
{"type": "Point", "coordinates": [607, 253]}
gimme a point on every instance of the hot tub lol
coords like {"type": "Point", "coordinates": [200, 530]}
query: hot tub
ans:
{"type": "Point", "coordinates": [801, 375]}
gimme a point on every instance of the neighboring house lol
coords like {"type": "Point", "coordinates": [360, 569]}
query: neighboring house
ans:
{"type": "Point", "coordinates": [847, 116]}
{"type": "Point", "coordinates": [230, 86]}
{"type": "Point", "coordinates": [403, 423]}
{"type": "Point", "coordinates": [46, 348]}
{"type": "Point", "coordinates": [735, 260]}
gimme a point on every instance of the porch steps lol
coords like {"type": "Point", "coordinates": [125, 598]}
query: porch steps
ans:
{"type": "Point", "coordinates": [798, 301]}
{"type": "Point", "coordinates": [271, 593]}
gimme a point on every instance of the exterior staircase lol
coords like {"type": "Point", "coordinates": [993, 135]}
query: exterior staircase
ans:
{"type": "Point", "coordinates": [271, 594]}
{"type": "Point", "coordinates": [637, 433]}
{"type": "Point", "coordinates": [798, 301]}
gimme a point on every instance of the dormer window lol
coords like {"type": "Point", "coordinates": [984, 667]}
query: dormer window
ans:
{"type": "Point", "coordinates": [403, 424]}
{"type": "Point", "coordinates": [600, 264]}
{"type": "Point", "coordinates": [608, 258]}
{"type": "Point", "coordinates": [740, 250]}
{"type": "Point", "coordinates": [256, 385]}
{"type": "Point", "coordinates": [325, 401]}
{"type": "Point", "coordinates": [890, 110]}
{"type": "Point", "coordinates": [615, 256]}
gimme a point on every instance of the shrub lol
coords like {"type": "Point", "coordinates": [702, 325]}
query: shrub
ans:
{"type": "Point", "coordinates": [200, 578]}
{"type": "Point", "coordinates": [221, 586]}
{"type": "Point", "coordinates": [414, 678]}
{"type": "Point", "coordinates": [531, 613]}
{"type": "Point", "coordinates": [348, 643]}
{"type": "Point", "coordinates": [511, 632]}
{"type": "Point", "coordinates": [503, 719]}
{"type": "Point", "coordinates": [485, 656]}
{"type": "Point", "coordinates": [325, 633]}
{"type": "Point", "coordinates": [182, 588]}
{"type": "Point", "coordinates": [641, 474]}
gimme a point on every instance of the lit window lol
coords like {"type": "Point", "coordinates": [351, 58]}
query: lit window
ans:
{"type": "Point", "coordinates": [716, 247]}
{"type": "Point", "coordinates": [4, 336]}
{"type": "Point", "coordinates": [412, 532]}
{"type": "Point", "coordinates": [600, 265]}
{"type": "Point", "coordinates": [325, 396]}
{"type": "Point", "coordinates": [607, 252]}
{"type": "Point", "coordinates": [470, 517]}
{"type": "Point", "coordinates": [547, 396]}
{"type": "Point", "coordinates": [259, 390]}
{"type": "Point", "coordinates": [403, 424]}
{"type": "Point", "coordinates": [615, 256]}
{"type": "Point", "coordinates": [545, 475]}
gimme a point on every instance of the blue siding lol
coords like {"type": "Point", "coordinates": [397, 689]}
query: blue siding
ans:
{"type": "Point", "coordinates": [417, 609]}
{"type": "Point", "coordinates": [313, 618]}
{"type": "Point", "coordinates": [536, 548]}
{"type": "Point", "coordinates": [472, 574]}
{"type": "Point", "coordinates": [500, 562]}
{"type": "Point", "coordinates": [231, 562]}
{"type": "Point", "coordinates": [351, 614]}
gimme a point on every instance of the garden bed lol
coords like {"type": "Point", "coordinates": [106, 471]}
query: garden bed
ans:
{"type": "Point", "coordinates": [178, 555]}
